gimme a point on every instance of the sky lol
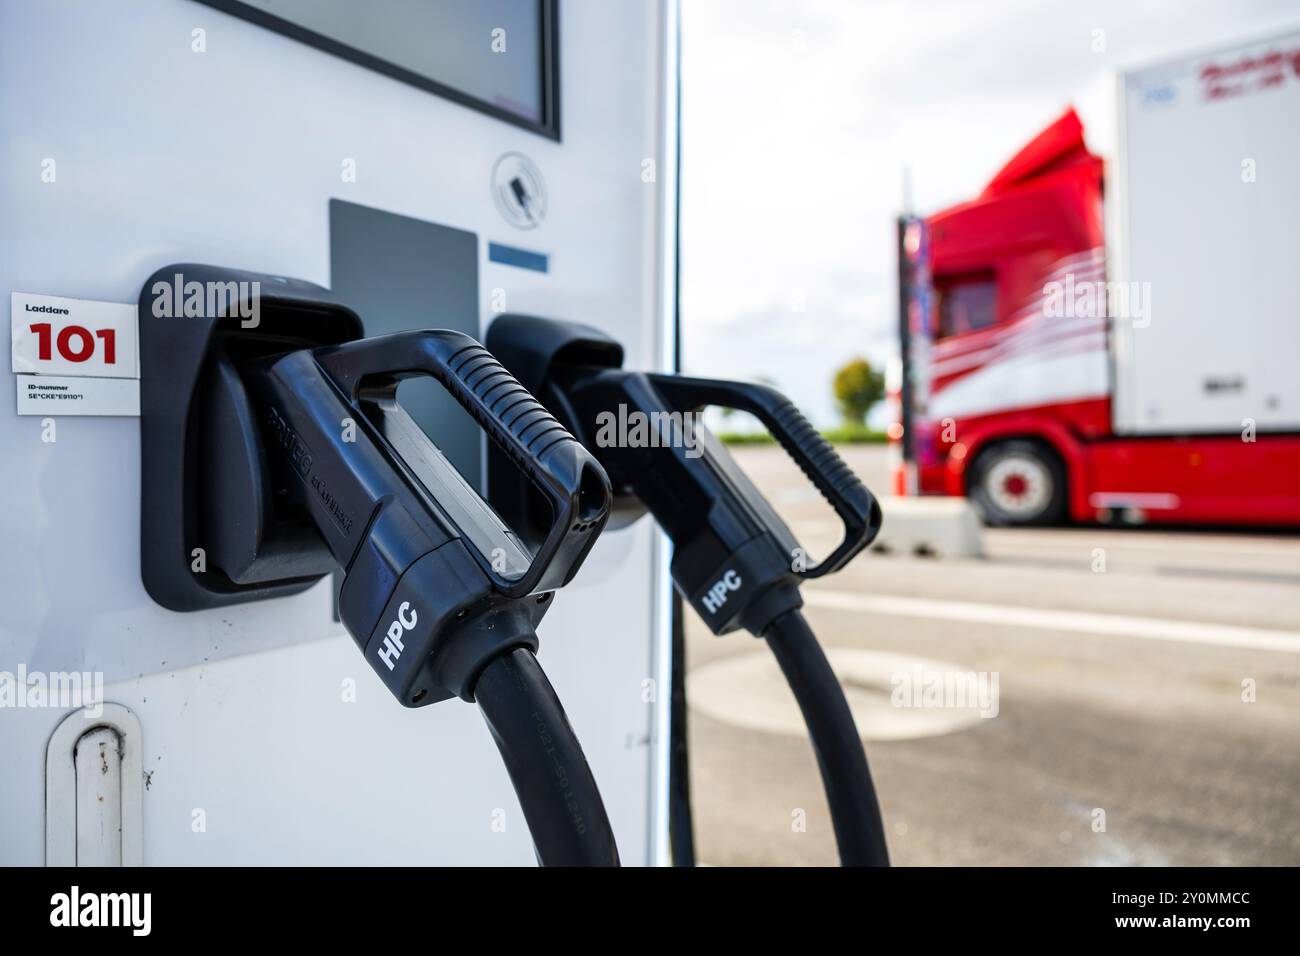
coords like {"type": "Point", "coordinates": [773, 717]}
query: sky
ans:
{"type": "Point", "coordinates": [799, 118]}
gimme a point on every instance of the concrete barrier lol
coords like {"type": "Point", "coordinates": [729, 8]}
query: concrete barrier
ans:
{"type": "Point", "coordinates": [933, 527]}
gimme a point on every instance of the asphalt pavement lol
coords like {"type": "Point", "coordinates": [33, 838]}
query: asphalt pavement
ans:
{"type": "Point", "coordinates": [1079, 696]}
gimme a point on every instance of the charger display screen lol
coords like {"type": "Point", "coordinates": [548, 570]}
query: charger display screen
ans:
{"type": "Point", "coordinates": [495, 55]}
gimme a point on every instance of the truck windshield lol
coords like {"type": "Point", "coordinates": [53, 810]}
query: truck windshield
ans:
{"type": "Point", "coordinates": [966, 304]}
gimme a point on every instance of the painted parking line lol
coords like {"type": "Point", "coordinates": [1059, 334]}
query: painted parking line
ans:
{"type": "Point", "coordinates": [1081, 622]}
{"type": "Point", "coordinates": [1085, 539]}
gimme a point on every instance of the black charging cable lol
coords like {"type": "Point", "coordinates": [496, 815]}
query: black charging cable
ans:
{"type": "Point", "coordinates": [850, 793]}
{"type": "Point", "coordinates": [681, 827]}
{"type": "Point", "coordinates": [556, 789]}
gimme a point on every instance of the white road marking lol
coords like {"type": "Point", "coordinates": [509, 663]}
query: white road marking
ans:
{"type": "Point", "coordinates": [1171, 544]}
{"type": "Point", "coordinates": [748, 690]}
{"type": "Point", "coordinates": [1148, 628]}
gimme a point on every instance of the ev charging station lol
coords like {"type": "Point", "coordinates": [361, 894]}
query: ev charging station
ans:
{"type": "Point", "coordinates": [525, 165]}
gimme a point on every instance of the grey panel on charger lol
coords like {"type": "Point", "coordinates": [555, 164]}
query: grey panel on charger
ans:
{"type": "Point", "coordinates": [401, 273]}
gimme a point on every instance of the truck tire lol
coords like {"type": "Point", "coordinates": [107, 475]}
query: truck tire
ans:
{"type": "Point", "coordinates": [1018, 482]}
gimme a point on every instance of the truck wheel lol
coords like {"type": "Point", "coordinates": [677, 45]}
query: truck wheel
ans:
{"type": "Point", "coordinates": [1018, 483]}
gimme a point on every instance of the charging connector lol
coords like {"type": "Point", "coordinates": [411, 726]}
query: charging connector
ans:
{"type": "Point", "coordinates": [734, 559]}
{"type": "Point", "coordinates": [435, 583]}
{"type": "Point", "coordinates": [284, 447]}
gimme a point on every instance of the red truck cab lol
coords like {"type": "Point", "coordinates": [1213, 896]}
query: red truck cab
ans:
{"type": "Point", "coordinates": [1008, 368]}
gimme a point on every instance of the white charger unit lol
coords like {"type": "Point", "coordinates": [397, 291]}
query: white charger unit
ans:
{"type": "Point", "coordinates": [433, 163]}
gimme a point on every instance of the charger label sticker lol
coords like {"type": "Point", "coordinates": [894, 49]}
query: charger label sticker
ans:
{"type": "Point", "coordinates": [77, 395]}
{"type": "Point", "coordinates": [74, 356]}
{"type": "Point", "coordinates": [55, 335]}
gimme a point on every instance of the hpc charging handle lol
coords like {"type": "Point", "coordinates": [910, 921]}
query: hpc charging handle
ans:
{"type": "Point", "coordinates": [817, 459]}
{"type": "Point", "coordinates": [427, 553]}
{"type": "Point", "coordinates": [731, 551]}
{"type": "Point", "coordinates": [368, 372]}
{"type": "Point", "coordinates": [734, 559]}
{"type": "Point", "coordinates": [448, 627]}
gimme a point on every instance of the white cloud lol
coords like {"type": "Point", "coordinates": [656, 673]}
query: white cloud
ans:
{"type": "Point", "coordinates": [798, 119]}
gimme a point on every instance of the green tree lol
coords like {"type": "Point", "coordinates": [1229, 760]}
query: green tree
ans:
{"type": "Point", "coordinates": [857, 387]}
